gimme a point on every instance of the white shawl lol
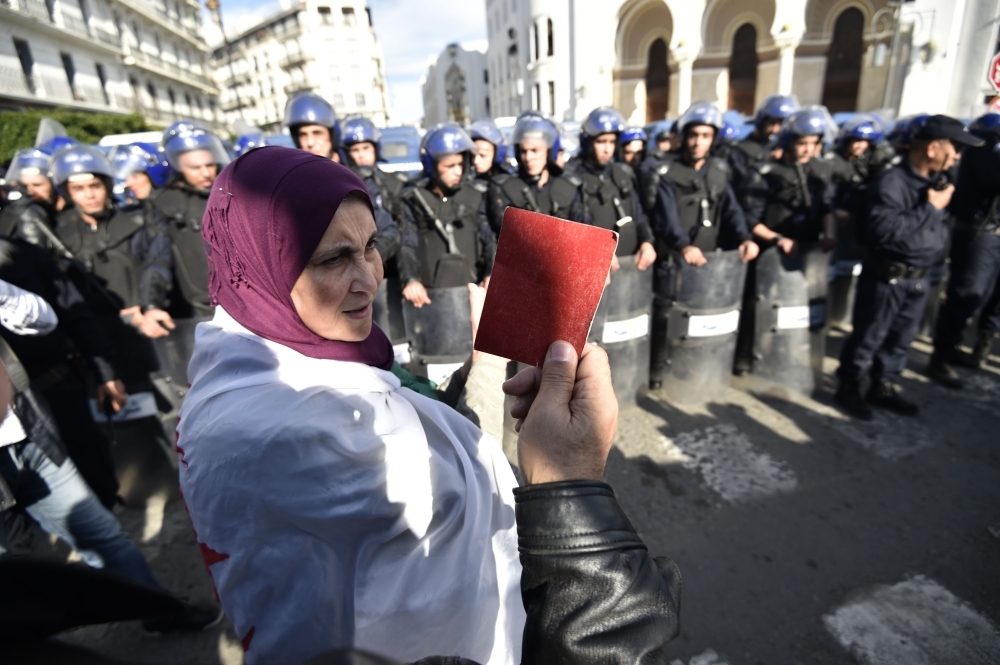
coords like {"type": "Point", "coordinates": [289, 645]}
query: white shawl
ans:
{"type": "Point", "coordinates": [337, 509]}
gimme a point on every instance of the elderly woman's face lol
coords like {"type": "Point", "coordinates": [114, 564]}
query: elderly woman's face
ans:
{"type": "Point", "coordinates": [333, 295]}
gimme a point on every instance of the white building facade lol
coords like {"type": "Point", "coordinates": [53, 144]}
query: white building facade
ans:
{"type": "Point", "coordinates": [456, 87]}
{"type": "Point", "coordinates": [652, 58]}
{"type": "Point", "coordinates": [111, 56]}
{"type": "Point", "coordinates": [329, 49]}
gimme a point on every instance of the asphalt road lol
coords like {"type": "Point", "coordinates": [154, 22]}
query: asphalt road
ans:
{"type": "Point", "coordinates": [802, 536]}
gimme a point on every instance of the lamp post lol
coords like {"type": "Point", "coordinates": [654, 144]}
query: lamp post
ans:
{"type": "Point", "coordinates": [215, 10]}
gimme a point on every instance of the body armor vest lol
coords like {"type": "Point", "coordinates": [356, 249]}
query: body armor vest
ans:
{"type": "Point", "coordinates": [554, 199]}
{"type": "Point", "coordinates": [796, 193]}
{"type": "Point", "coordinates": [448, 232]}
{"type": "Point", "coordinates": [182, 210]}
{"type": "Point", "coordinates": [608, 197]}
{"type": "Point", "coordinates": [699, 198]}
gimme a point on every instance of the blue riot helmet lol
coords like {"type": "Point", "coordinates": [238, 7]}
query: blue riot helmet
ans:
{"type": "Point", "coordinates": [630, 134]}
{"type": "Point", "coordinates": [248, 142]}
{"type": "Point", "coordinates": [179, 127]}
{"type": "Point", "coordinates": [487, 130]}
{"type": "Point", "coordinates": [30, 162]}
{"type": "Point", "coordinates": [308, 108]}
{"type": "Point", "coordinates": [360, 130]}
{"type": "Point", "coordinates": [445, 140]}
{"type": "Point", "coordinates": [138, 158]}
{"type": "Point", "coordinates": [730, 132]}
{"type": "Point", "coordinates": [83, 162]}
{"type": "Point", "coordinates": [533, 125]}
{"type": "Point", "coordinates": [195, 140]}
{"type": "Point", "coordinates": [987, 126]}
{"type": "Point", "coordinates": [603, 120]}
{"type": "Point", "coordinates": [701, 113]}
{"type": "Point", "coordinates": [809, 121]}
{"type": "Point", "coordinates": [902, 131]}
{"type": "Point", "coordinates": [862, 127]}
{"type": "Point", "coordinates": [776, 107]}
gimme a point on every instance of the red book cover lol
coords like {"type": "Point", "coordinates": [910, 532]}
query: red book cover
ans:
{"type": "Point", "coordinates": [546, 284]}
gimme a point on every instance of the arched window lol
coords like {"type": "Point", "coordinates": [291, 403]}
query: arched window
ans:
{"type": "Point", "coordinates": [743, 70]}
{"type": "Point", "coordinates": [843, 62]}
{"type": "Point", "coordinates": [657, 82]}
{"type": "Point", "coordinates": [551, 40]}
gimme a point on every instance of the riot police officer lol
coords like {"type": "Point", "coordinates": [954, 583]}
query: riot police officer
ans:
{"type": "Point", "coordinates": [34, 213]}
{"type": "Point", "coordinates": [726, 141]}
{"type": "Point", "coordinates": [313, 125]}
{"type": "Point", "coordinates": [755, 148]}
{"type": "Point", "coordinates": [196, 156]}
{"type": "Point", "coordinates": [540, 185]}
{"type": "Point", "coordinates": [906, 231]}
{"type": "Point", "coordinates": [975, 257]}
{"type": "Point", "coordinates": [139, 169]}
{"type": "Point", "coordinates": [360, 140]}
{"type": "Point", "coordinates": [663, 141]}
{"type": "Point", "coordinates": [633, 146]}
{"type": "Point", "coordinates": [696, 213]}
{"type": "Point", "coordinates": [491, 149]}
{"type": "Point", "coordinates": [609, 187]}
{"type": "Point", "coordinates": [447, 241]}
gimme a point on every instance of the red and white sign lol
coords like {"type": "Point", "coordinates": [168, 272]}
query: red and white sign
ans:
{"type": "Point", "coordinates": [993, 74]}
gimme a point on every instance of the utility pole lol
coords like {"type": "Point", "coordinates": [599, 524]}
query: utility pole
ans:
{"type": "Point", "coordinates": [215, 10]}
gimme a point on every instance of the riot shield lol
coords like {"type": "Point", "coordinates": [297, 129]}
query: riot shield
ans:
{"type": "Point", "coordinates": [621, 327]}
{"type": "Point", "coordinates": [701, 328]}
{"type": "Point", "coordinates": [843, 285]}
{"type": "Point", "coordinates": [440, 334]}
{"type": "Point", "coordinates": [171, 380]}
{"type": "Point", "coordinates": [387, 313]}
{"type": "Point", "coordinates": [790, 317]}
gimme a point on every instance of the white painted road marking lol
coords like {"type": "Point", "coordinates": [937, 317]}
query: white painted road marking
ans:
{"type": "Point", "coordinates": [916, 622]}
{"type": "Point", "coordinates": [729, 464]}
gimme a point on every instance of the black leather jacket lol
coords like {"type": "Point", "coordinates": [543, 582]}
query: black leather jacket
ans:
{"type": "Point", "coordinates": [592, 593]}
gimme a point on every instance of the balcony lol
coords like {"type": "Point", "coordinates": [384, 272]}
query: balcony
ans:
{"type": "Point", "coordinates": [74, 24]}
{"type": "Point", "coordinates": [108, 38]}
{"type": "Point", "coordinates": [58, 92]}
{"type": "Point", "coordinates": [161, 66]}
{"type": "Point", "coordinates": [34, 8]}
{"type": "Point", "coordinates": [172, 22]}
{"type": "Point", "coordinates": [293, 59]}
{"type": "Point", "coordinates": [299, 86]}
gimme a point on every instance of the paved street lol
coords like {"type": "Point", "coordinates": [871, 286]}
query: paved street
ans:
{"type": "Point", "coordinates": [802, 536]}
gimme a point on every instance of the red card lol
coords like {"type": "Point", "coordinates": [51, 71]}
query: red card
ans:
{"type": "Point", "coordinates": [546, 284]}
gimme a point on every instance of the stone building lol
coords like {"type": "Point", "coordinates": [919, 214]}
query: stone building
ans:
{"type": "Point", "coordinates": [652, 58]}
{"type": "Point", "coordinates": [456, 86]}
{"type": "Point", "coordinates": [330, 49]}
{"type": "Point", "coordinates": [112, 56]}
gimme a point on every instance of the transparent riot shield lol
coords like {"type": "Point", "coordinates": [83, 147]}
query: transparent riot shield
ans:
{"type": "Point", "coordinates": [621, 327]}
{"type": "Point", "coordinates": [843, 285]}
{"type": "Point", "coordinates": [387, 313]}
{"type": "Point", "coordinates": [790, 327]}
{"type": "Point", "coordinates": [701, 328]}
{"type": "Point", "coordinates": [440, 334]}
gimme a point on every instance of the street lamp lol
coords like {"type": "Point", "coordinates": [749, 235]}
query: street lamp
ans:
{"type": "Point", "coordinates": [215, 10]}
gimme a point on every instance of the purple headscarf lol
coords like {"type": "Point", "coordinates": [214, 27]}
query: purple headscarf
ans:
{"type": "Point", "coordinates": [265, 217]}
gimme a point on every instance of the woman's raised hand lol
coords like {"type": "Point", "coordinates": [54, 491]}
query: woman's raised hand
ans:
{"type": "Point", "coordinates": [566, 415]}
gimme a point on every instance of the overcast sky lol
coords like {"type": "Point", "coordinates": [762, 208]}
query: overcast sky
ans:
{"type": "Point", "coordinates": [409, 31]}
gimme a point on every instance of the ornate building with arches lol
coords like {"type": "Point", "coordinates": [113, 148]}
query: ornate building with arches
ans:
{"type": "Point", "coordinates": [652, 58]}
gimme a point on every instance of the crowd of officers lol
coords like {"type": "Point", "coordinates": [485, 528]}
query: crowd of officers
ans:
{"type": "Point", "coordinates": [114, 241]}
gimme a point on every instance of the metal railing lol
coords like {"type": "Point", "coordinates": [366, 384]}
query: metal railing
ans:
{"type": "Point", "coordinates": [14, 82]}
{"type": "Point", "coordinates": [293, 59]}
{"type": "Point", "coordinates": [90, 95]}
{"type": "Point", "coordinates": [75, 24]}
{"type": "Point", "coordinates": [297, 86]}
{"type": "Point", "coordinates": [108, 38]}
{"type": "Point", "coordinates": [126, 102]}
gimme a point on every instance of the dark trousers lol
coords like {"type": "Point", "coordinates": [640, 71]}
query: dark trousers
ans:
{"type": "Point", "coordinates": [975, 275]}
{"type": "Point", "coordinates": [87, 446]}
{"type": "Point", "coordinates": [886, 318]}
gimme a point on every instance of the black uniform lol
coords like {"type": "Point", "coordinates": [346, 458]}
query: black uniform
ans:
{"type": "Point", "coordinates": [743, 156]}
{"type": "Point", "coordinates": [25, 219]}
{"type": "Point", "coordinates": [447, 241]}
{"type": "Point", "coordinates": [177, 212]}
{"type": "Point", "coordinates": [560, 197]}
{"type": "Point", "coordinates": [852, 178]}
{"type": "Point", "coordinates": [975, 248]}
{"type": "Point", "coordinates": [790, 199]}
{"type": "Point", "coordinates": [610, 195]}
{"type": "Point", "coordinates": [649, 176]}
{"type": "Point", "coordinates": [905, 236]}
{"type": "Point", "coordinates": [58, 364]}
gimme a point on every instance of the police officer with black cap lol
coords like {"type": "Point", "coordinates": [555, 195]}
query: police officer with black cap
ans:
{"type": "Point", "coordinates": [540, 184]}
{"type": "Point", "coordinates": [906, 230]}
{"type": "Point", "coordinates": [975, 257]}
{"type": "Point", "coordinates": [197, 156]}
{"type": "Point", "coordinates": [447, 241]}
{"type": "Point", "coordinates": [609, 186]}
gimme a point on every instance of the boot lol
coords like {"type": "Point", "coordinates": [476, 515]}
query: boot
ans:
{"type": "Point", "coordinates": [982, 349]}
{"type": "Point", "coordinates": [885, 394]}
{"type": "Point", "coordinates": [849, 398]}
{"type": "Point", "coordinates": [939, 370]}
